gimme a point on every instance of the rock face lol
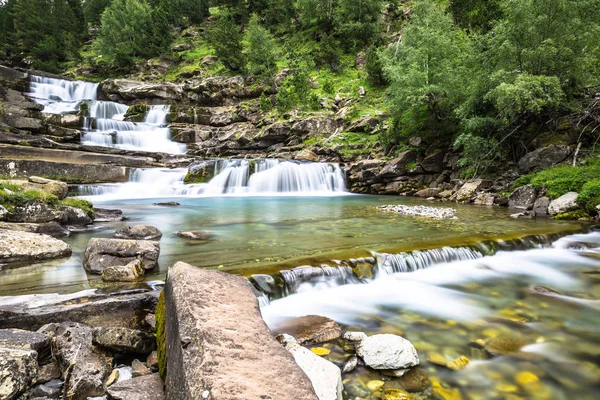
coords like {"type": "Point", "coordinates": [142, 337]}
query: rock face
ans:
{"type": "Point", "coordinates": [23, 246]}
{"type": "Point", "coordinates": [124, 340]}
{"type": "Point", "coordinates": [18, 370]}
{"type": "Point", "coordinates": [103, 253]}
{"type": "Point", "coordinates": [132, 272]}
{"type": "Point", "coordinates": [48, 228]}
{"type": "Point", "coordinates": [523, 198]}
{"type": "Point", "coordinates": [149, 387]}
{"type": "Point", "coordinates": [138, 232]}
{"type": "Point", "coordinates": [85, 367]}
{"type": "Point", "coordinates": [123, 310]}
{"type": "Point", "coordinates": [311, 329]}
{"type": "Point", "coordinates": [398, 165]}
{"type": "Point", "coordinates": [544, 157]}
{"type": "Point", "coordinates": [325, 376]}
{"type": "Point", "coordinates": [387, 352]}
{"type": "Point", "coordinates": [566, 202]}
{"type": "Point", "coordinates": [219, 347]}
{"type": "Point", "coordinates": [124, 89]}
{"type": "Point", "coordinates": [71, 173]}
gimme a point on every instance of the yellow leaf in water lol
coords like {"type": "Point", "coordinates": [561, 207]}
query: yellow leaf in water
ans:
{"type": "Point", "coordinates": [320, 351]}
{"type": "Point", "coordinates": [458, 364]}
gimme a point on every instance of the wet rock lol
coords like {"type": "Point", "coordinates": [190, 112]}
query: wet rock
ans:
{"type": "Point", "coordinates": [138, 232]}
{"type": "Point", "coordinates": [523, 215]}
{"type": "Point", "coordinates": [48, 228]}
{"type": "Point", "coordinates": [213, 319]}
{"type": "Point", "coordinates": [200, 172]}
{"type": "Point", "coordinates": [485, 199]}
{"type": "Point", "coordinates": [195, 235]}
{"type": "Point", "coordinates": [523, 197]}
{"type": "Point", "coordinates": [504, 345]}
{"type": "Point", "coordinates": [124, 340]}
{"type": "Point", "coordinates": [34, 212]}
{"type": "Point", "coordinates": [106, 215]}
{"type": "Point", "coordinates": [565, 203]}
{"type": "Point", "coordinates": [354, 336]}
{"type": "Point", "coordinates": [429, 192]}
{"type": "Point", "coordinates": [355, 389]}
{"type": "Point", "coordinates": [67, 172]}
{"type": "Point", "coordinates": [543, 290]}
{"type": "Point", "coordinates": [24, 246]}
{"type": "Point", "coordinates": [103, 253]}
{"type": "Point", "coordinates": [394, 373]}
{"type": "Point", "coordinates": [167, 204]}
{"type": "Point", "coordinates": [22, 339]}
{"type": "Point", "coordinates": [116, 310]}
{"type": "Point", "coordinates": [326, 378]}
{"type": "Point", "coordinates": [132, 272]}
{"type": "Point", "coordinates": [18, 371]}
{"type": "Point", "coordinates": [350, 365]}
{"type": "Point", "coordinates": [149, 387]}
{"type": "Point", "coordinates": [75, 216]}
{"type": "Point", "coordinates": [85, 368]}
{"type": "Point", "coordinates": [415, 380]}
{"type": "Point", "coordinates": [540, 207]}
{"type": "Point", "coordinates": [543, 158]}
{"type": "Point", "coordinates": [311, 329]}
{"type": "Point", "coordinates": [398, 165]}
{"type": "Point", "coordinates": [307, 155]}
{"type": "Point", "coordinates": [387, 352]}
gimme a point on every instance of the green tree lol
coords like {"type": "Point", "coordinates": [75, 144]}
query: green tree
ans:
{"type": "Point", "coordinates": [260, 48]}
{"type": "Point", "coordinates": [317, 13]}
{"type": "Point", "coordinates": [476, 15]}
{"type": "Point", "coordinates": [227, 40]}
{"type": "Point", "coordinates": [358, 21]}
{"type": "Point", "coordinates": [427, 72]}
{"type": "Point", "coordinates": [92, 11]}
{"type": "Point", "coordinates": [374, 67]}
{"type": "Point", "coordinates": [329, 53]}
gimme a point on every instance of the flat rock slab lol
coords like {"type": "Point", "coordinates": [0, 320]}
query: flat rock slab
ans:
{"type": "Point", "coordinates": [149, 387]}
{"type": "Point", "coordinates": [19, 338]}
{"type": "Point", "coordinates": [33, 311]}
{"type": "Point", "coordinates": [103, 253]}
{"type": "Point", "coordinates": [218, 344]}
{"type": "Point", "coordinates": [18, 246]}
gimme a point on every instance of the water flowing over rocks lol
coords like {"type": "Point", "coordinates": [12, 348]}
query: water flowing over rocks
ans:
{"type": "Point", "coordinates": [325, 376]}
{"type": "Point", "coordinates": [387, 352]}
{"type": "Point", "coordinates": [18, 246]}
{"type": "Point", "coordinates": [422, 211]}
{"type": "Point", "coordinates": [103, 253]}
{"type": "Point", "coordinates": [218, 343]}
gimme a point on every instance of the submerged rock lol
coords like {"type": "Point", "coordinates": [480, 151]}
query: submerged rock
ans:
{"type": "Point", "coordinates": [148, 387]}
{"type": "Point", "coordinates": [350, 365]}
{"type": "Point", "coordinates": [132, 272]}
{"type": "Point", "coordinates": [138, 232]}
{"type": "Point", "coordinates": [195, 235]}
{"type": "Point", "coordinates": [566, 202]}
{"type": "Point", "coordinates": [167, 204]}
{"type": "Point", "coordinates": [387, 352]}
{"type": "Point", "coordinates": [18, 371]}
{"type": "Point", "coordinates": [103, 253]}
{"type": "Point", "coordinates": [18, 246]}
{"type": "Point", "coordinates": [504, 345]}
{"type": "Point", "coordinates": [311, 329]}
{"type": "Point", "coordinates": [124, 340]}
{"type": "Point", "coordinates": [325, 376]}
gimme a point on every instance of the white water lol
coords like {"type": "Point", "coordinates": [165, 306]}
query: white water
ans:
{"type": "Point", "coordinates": [105, 126]}
{"type": "Point", "coordinates": [233, 177]}
{"type": "Point", "coordinates": [428, 291]}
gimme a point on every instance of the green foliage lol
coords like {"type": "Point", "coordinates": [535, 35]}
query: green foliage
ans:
{"type": "Point", "coordinates": [358, 21]}
{"type": "Point", "coordinates": [329, 53]}
{"type": "Point", "coordinates": [374, 67]}
{"type": "Point", "coordinates": [328, 87]}
{"type": "Point", "coordinates": [260, 48]}
{"type": "Point", "coordinates": [560, 180]}
{"type": "Point", "coordinates": [84, 205]}
{"type": "Point", "coordinates": [589, 196]}
{"type": "Point", "coordinates": [294, 91]}
{"type": "Point", "coordinates": [476, 15]}
{"type": "Point", "coordinates": [12, 196]}
{"type": "Point", "coordinates": [265, 103]}
{"type": "Point", "coordinates": [478, 153]}
{"type": "Point", "coordinates": [226, 38]}
{"type": "Point", "coordinates": [92, 11]}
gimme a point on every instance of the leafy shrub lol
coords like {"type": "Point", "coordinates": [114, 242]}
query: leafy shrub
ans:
{"type": "Point", "coordinates": [560, 180]}
{"type": "Point", "coordinates": [265, 103]}
{"type": "Point", "coordinates": [589, 197]}
{"type": "Point", "coordinates": [478, 153]}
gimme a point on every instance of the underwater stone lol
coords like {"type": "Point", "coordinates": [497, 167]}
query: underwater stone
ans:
{"type": "Point", "coordinates": [387, 352]}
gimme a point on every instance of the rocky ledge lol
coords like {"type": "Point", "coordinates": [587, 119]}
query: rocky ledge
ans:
{"type": "Point", "coordinates": [24, 246]}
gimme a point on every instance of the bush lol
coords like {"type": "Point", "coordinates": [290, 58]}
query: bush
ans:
{"type": "Point", "coordinates": [589, 197]}
{"type": "Point", "coordinates": [560, 180]}
{"type": "Point", "coordinates": [265, 103]}
{"type": "Point", "coordinates": [478, 153]}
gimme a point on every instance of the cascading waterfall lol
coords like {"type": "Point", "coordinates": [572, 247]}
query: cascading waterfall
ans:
{"type": "Point", "coordinates": [104, 125]}
{"type": "Point", "coordinates": [232, 177]}
{"type": "Point", "coordinates": [388, 264]}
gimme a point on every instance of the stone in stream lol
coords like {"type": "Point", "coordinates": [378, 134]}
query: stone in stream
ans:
{"type": "Point", "coordinates": [124, 340]}
{"type": "Point", "coordinates": [566, 202]}
{"type": "Point", "coordinates": [311, 329]}
{"type": "Point", "coordinates": [218, 344]}
{"type": "Point", "coordinates": [75, 216]}
{"type": "Point", "coordinates": [354, 336]}
{"type": "Point", "coordinates": [350, 365]}
{"type": "Point", "coordinates": [18, 371]}
{"type": "Point", "coordinates": [138, 232]}
{"type": "Point", "coordinates": [34, 212]}
{"type": "Point", "coordinates": [139, 368]}
{"type": "Point", "coordinates": [48, 228]}
{"type": "Point", "coordinates": [325, 376]}
{"type": "Point", "coordinates": [195, 235]}
{"type": "Point", "coordinates": [108, 215]}
{"type": "Point", "coordinates": [387, 352]}
{"type": "Point", "coordinates": [168, 204]}
{"type": "Point", "coordinates": [84, 367]}
{"type": "Point", "coordinates": [118, 310]}
{"type": "Point", "coordinates": [148, 387]}
{"type": "Point", "coordinates": [132, 272]}
{"type": "Point", "coordinates": [24, 246]}
{"type": "Point", "coordinates": [103, 253]}
{"type": "Point", "coordinates": [504, 345]}
{"type": "Point", "coordinates": [523, 197]}
{"type": "Point", "coordinates": [540, 207]}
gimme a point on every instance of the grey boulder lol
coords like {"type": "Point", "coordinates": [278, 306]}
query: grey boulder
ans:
{"type": "Point", "coordinates": [103, 253]}
{"type": "Point", "coordinates": [138, 232]}
{"type": "Point", "coordinates": [387, 352]}
{"type": "Point", "coordinates": [124, 340]}
{"type": "Point", "coordinates": [18, 371]}
{"type": "Point", "coordinates": [566, 202]}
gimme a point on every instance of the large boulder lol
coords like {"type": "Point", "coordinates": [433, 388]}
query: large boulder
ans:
{"type": "Point", "coordinates": [124, 340]}
{"type": "Point", "coordinates": [125, 89]}
{"type": "Point", "coordinates": [387, 352]}
{"type": "Point", "coordinates": [138, 232]}
{"type": "Point", "coordinates": [544, 157]}
{"type": "Point", "coordinates": [83, 365]}
{"type": "Point", "coordinates": [540, 207]}
{"type": "Point", "coordinates": [325, 376]}
{"type": "Point", "coordinates": [315, 126]}
{"type": "Point", "coordinates": [22, 339]}
{"type": "Point", "coordinates": [566, 202]}
{"type": "Point", "coordinates": [434, 163]}
{"type": "Point", "coordinates": [399, 165]}
{"type": "Point", "coordinates": [523, 197]}
{"type": "Point", "coordinates": [148, 387]}
{"type": "Point", "coordinates": [103, 253]}
{"type": "Point", "coordinates": [469, 189]}
{"type": "Point", "coordinates": [75, 216]}
{"type": "Point", "coordinates": [34, 212]}
{"type": "Point", "coordinates": [24, 246]}
{"type": "Point", "coordinates": [57, 188]}
{"type": "Point", "coordinates": [18, 371]}
{"type": "Point", "coordinates": [218, 345]}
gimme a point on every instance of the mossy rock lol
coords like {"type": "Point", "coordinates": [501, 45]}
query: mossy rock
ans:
{"type": "Point", "coordinates": [200, 172]}
{"type": "Point", "coordinates": [161, 335]}
{"type": "Point", "coordinates": [136, 113]}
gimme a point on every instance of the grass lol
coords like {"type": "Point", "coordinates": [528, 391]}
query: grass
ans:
{"type": "Point", "coordinates": [12, 196]}
{"type": "Point", "coordinates": [84, 205]}
{"type": "Point", "coordinates": [350, 144]}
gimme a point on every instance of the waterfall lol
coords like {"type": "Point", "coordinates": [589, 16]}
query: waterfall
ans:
{"type": "Point", "coordinates": [104, 125]}
{"type": "Point", "coordinates": [232, 177]}
{"type": "Point", "coordinates": [388, 264]}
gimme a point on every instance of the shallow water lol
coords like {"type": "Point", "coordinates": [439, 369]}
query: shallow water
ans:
{"type": "Point", "coordinates": [446, 309]}
{"type": "Point", "coordinates": [267, 234]}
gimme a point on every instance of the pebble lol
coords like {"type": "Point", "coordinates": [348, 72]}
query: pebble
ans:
{"type": "Point", "coordinates": [422, 211]}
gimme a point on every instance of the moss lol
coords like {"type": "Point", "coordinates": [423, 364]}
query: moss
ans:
{"type": "Point", "coordinates": [12, 196]}
{"type": "Point", "coordinates": [191, 179]}
{"type": "Point", "coordinates": [161, 335]}
{"type": "Point", "coordinates": [572, 215]}
{"type": "Point", "coordinates": [137, 112]}
{"type": "Point", "coordinates": [84, 205]}
{"type": "Point", "coordinates": [26, 144]}
{"type": "Point", "coordinates": [589, 196]}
